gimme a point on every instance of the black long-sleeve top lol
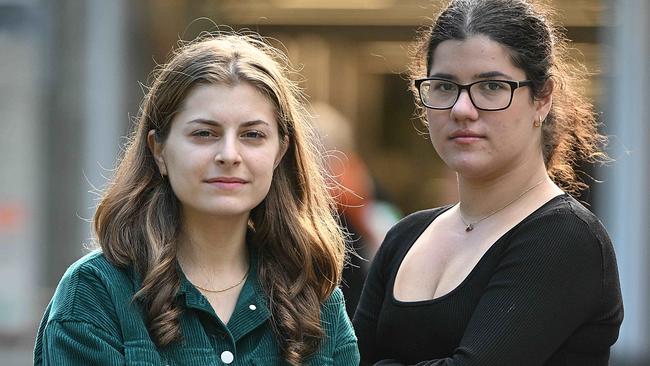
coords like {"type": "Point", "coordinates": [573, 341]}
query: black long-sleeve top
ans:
{"type": "Point", "coordinates": [546, 293]}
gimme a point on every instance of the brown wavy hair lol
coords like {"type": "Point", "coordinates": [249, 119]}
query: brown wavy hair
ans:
{"type": "Point", "coordinates": [537, 46]}
{"type": "Point", "coordinates": [299, 244]}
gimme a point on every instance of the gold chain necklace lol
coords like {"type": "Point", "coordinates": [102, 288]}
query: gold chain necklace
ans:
{"type": "Point", "coordinates": [470, 225]}
{"type": "Point", "coordinates": [225, 289]}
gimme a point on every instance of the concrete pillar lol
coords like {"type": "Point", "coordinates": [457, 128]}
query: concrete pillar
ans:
{"type": "Point", "coordinates": [624, 199]}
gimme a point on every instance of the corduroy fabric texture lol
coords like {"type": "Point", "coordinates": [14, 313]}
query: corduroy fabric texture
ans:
{"type": "Point", "coordinates": [92, 320]}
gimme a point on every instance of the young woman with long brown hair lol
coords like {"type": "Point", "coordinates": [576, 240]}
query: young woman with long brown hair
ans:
{"type": "Point", "coordinates": [518, 272]}
{"type": "Point", "coordinates": [218, 243]}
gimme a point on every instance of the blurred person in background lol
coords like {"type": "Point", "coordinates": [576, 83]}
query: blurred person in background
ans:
{"type": "Point", "coordinates": [364, 211]}
{"type": "Point", "coordinates": [518, 272]}
{"type": "Point", "coordinates": [217, 235]}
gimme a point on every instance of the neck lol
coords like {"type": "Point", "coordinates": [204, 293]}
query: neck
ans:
{"type": "Point", "coordinates": [479, 198]}
{"type": "Point", "coordinates": [213, 246]}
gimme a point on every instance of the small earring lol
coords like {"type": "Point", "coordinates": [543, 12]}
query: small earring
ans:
{"type": "Point", "coordinates": [539, 122]}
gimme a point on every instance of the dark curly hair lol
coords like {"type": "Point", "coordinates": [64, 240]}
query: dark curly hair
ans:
{"type": "Point", "coordinates": [570, 132]}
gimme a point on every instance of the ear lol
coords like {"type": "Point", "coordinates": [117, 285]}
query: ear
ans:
{"type": "Point", "coordinates": [156, 148]}
{"type": "Point", "coordinates": [284, 146]}
{"type": "Point", "coordinates": [543, 104]}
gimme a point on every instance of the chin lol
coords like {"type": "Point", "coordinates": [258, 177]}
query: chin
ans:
{"type": "Point", "coordinates": [462, 163]}
{"type": "Point", "coordinates": [228, 212]}
{"type": "Point", "coordinates": [468, 169]}
{"type": "Point", "coordinates": [224, 209]}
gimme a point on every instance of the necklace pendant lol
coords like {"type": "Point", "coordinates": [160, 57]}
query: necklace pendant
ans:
{"type": "Point", "coordinates": [469, 228]}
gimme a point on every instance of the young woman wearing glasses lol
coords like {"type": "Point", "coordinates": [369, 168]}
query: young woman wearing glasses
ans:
{"type": "Point", "coordinates": [517, 272]}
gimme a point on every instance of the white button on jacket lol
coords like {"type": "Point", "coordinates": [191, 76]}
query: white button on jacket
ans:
{"type": "Point", "coordinates": [227, 357]}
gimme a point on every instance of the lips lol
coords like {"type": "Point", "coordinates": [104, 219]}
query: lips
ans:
{"type": "Point", "coordinates": [469, 134]}
{"type": "Point", "coordinates": [226, 183]}
{"type": "Point", "coordinates": [226, 180]}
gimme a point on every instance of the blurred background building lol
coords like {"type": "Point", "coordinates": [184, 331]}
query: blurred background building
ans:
{"type": "Point", "coordinates": [72, 73]}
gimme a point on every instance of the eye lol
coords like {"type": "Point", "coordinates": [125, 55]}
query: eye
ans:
{"type": "Point", "coordinates": [203, 134]}
{"type": "Point", "coordinates": [493, 86]}
{"type": "Point", "coordinates": [253, 134]}
{"type": "Point", "coordinates": [443, 86]}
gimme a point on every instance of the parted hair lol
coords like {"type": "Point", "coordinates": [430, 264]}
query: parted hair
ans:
{"type": "Point", "coordinates": [537, 46]}
{"type": "Point", "coordinates": [299, 246]}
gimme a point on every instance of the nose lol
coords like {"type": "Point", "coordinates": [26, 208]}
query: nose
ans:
{"type": "Point", "coordinates": [464, 109]}
{"type": "Point", "coordinates": [228, 151]}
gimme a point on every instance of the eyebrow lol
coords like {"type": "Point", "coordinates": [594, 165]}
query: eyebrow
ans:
{"type": "Point", "coordinates": [483, 75]}
{"type": "Point", "coordinates": [210, 122]}
{"type": "Point", "coordinates": [442, 75]}
{"type": "Point", "coordinates": [491, 74]}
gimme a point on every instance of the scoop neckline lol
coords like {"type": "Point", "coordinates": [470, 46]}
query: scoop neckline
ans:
{"type": "Point", "coordinates": [478, 264]}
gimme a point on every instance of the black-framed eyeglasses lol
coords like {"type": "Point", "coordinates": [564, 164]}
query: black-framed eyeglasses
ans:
{"type": "Point", "coordinates": [486, 95]}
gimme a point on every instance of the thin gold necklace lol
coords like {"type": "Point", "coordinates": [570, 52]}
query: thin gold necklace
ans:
{"type": "Point", "coordinates": [224, 289]}
{"type": "Point", "coordinates": [470, 225]}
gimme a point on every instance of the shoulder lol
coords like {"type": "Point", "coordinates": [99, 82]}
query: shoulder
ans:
{"type": "Point", "coordinates": [95, 263]}
{"type": "Point", "coordinates": [331, 308]}
{"type": "Point", "coordinates": [565, 229]}
{"type": "Point", "coordinates": [564, 215]}
{"type": "Point", "coordinates": [89, 286]}
{"type": "Point", "coordinates": [564, 245]}
{"type": "Point", "coordinates": [333, 315]}
{"type": "Point", "coordinates": [80, 324]}
{"type": "Point", "coordinates": [334, 300]}
{"type": "Point", "coordinates": [340, 339]}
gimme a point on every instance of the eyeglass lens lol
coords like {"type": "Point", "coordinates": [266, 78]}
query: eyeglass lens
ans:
{"type": "Point", "coordinates": [489, 94]}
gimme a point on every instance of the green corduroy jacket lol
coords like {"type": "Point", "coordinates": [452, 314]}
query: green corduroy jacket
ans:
{"type": "Point", "coordinates": [92, 320]}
